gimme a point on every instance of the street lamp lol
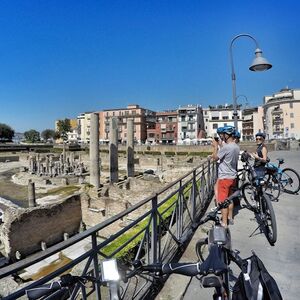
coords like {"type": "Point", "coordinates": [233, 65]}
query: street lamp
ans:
{"type": "Point", "coordinates": [246, 99]}
{"type": "Point", "coordinates": [259, 63]}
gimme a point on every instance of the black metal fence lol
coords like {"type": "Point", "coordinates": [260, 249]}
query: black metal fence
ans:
{"type": "Point", "coordinates": [153, 230]}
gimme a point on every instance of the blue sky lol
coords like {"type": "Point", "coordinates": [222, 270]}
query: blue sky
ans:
{"type": "Point", "coordinates": [61, 58]}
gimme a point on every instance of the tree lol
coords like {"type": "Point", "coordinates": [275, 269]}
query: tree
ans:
{"type": "Point", "coordinates": [32, 136]}
{"type": "Point", "coordinates": [63, 127]}
{"type": "Point", "coordinates": [48, 134]}
{"type": "Point", "coordinates": [6, 133]}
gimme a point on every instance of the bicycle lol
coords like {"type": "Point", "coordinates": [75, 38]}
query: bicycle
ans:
{"type": "Point", "coordinates": [213, 271]}
{"type": "Point", "coordinates": [259, 201]}
{"type": "Point", "coordinates": [277, 179]}
{"type": "Point", "coordinates": [217, 246]}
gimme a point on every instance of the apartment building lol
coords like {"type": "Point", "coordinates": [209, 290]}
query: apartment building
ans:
{"type": "Point", "coordinates": [143, 119]}
{"type": "Point", "coordinates": [282, 114]}
{"type": "Point", "coordinates": [219, 116]}
{"type": "Point", "coordinates": [190, 123]}
{"type": "Point", "coordinates": [252, 122]}
{"type": "Point", "coordinates": [165, 129]}
{"type": "Point", "coordinates": [84, 125]}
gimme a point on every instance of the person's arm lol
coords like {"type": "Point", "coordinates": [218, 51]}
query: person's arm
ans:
{"type": "Point", "coordinates": [264, 152]}
{"type": "Point", "coordinates": [214, 155]}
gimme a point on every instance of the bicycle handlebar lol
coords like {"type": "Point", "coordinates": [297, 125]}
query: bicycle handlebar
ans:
{"type": "Point", "coordinates": [65, 282]}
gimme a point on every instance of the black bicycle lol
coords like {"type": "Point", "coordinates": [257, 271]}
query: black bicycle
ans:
{"type": "Point", "coordinates": [215, 250]}
{"type": "Point", "coordinates": [259, 201]}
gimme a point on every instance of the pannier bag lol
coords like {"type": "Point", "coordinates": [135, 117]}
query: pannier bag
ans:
{"type": "Point", "coordinates": [255, 282]}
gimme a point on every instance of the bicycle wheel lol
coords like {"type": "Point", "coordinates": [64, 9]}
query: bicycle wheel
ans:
{"type": "Point", "coordinates": [248, 192]}
{"type": "Point", "coordinates": [272, 187]}
{"type": "Point", "coordinates": [202, 249]}
{"type": "Point", "coordinates": [290, 181]}
{"type": "Point", "coordinates": [269, 219]}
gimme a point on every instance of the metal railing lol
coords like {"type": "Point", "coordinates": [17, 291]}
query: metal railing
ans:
{"type": "Point", "coordinates": [154, 230]}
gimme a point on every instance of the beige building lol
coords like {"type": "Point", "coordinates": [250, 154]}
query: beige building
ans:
{"type": "Point", "coordinates": [143, 118]}
{"type": "Point", "coordinates": [282, 114]}
{"type": "Point", "coordinates": [253, 122]}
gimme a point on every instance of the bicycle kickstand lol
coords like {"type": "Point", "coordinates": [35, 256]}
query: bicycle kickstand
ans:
{"type": "Point", "coordinates": [252, 234]}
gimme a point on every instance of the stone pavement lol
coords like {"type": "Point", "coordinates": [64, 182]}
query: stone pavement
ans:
{"type": "Point", "coordinates": [281, 260]}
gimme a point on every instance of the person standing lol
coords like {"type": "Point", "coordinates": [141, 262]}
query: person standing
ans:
{"type": "Point", "coordinates": [261, 155]}
{"type": "Point", "coordinates": [228, 157]}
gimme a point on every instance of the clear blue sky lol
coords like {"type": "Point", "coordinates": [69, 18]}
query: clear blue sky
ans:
{"type": "Point", "coordinates": [59, 58]}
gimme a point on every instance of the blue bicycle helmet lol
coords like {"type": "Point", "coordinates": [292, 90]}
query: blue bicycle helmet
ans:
{"type": "Point", "coordinates": [220, 130]}
{"type": "Point", "coordinates": [261, 134]}
{"type": "Point", "coordinates": [230, 130]}
{"type": "Point", "coordinates": [237, 134]}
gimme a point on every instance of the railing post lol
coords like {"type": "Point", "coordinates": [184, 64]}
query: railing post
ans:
{"type": "Point", "coordinates": [208, 174]}
{"type": "Point", "coordinates": [194, 194]}
{"type": "Point", "coordinates": [96, 266]}
{"type": "Point", "coordinates": [154, 235]}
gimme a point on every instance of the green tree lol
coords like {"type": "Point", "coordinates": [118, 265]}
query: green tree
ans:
{"type": "Point", "coordinates": [32, 136]}
{"type": "Point", "coordinates": [6, 133]}
{"type": "Point", "coordinates": [48, 134]}
{"type": "Point", "coordinates": [63, 127]}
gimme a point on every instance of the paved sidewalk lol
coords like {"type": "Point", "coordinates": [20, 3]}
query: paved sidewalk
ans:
{"type": "Point", "coordinates": [281, 260]}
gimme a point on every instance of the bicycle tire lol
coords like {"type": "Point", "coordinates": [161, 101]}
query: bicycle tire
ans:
{"type": "Point", "coordinates": [272, 187]}
{"type": "Point", "coordinates": [270, 226]}
{"type": "Point", "coordinates": [248, 193]}
{"type": "Point", "coordinates": [290, 181]}
{"type": "Point", "coordinates": [202, 249]}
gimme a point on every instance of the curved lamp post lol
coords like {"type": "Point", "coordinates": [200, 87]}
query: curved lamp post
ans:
{"type": "Point", "coordinates": [246, 99]}
{"type": "Point", "coordinates": [259, 63]}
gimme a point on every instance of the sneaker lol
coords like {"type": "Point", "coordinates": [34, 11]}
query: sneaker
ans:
{"type": "Point", "coordinates": [230, 222]}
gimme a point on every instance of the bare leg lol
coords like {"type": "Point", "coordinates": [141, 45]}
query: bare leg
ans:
{"type": "Point", "coordinates": [230, 211]}
{"type": "Point", "coordinates": [224, 212]}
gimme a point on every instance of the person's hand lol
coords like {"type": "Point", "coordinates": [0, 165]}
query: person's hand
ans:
{"type": "Point", "coordinates": [254, 155]}
{"type": "Point", "coordinates": [215, 143]}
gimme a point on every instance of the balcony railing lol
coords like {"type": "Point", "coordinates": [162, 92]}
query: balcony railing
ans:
{"type": "Point", "coordinates": [154, 229]}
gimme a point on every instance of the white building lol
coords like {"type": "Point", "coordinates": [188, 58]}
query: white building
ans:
{"type": "Point", "coordinates": [220, 116]}
{"type": "Point", "coordinates": [190, 123]}
{"type": "Point", "coordinates": [282, 114]}
{"type": "Point", "coordinates": [84, 126]}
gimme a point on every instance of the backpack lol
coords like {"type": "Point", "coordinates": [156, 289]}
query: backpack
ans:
{"type": "Point", "coordinates": [255, 282]}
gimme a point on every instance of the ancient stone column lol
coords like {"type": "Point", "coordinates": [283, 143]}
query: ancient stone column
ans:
{"type": "Point", "coordinates": [113, 150]}
{"type": "Point", "coordinates": [130, 148]}
{"type": "Point", "coordinates": [31, 194]}
{"type": "Point", "coordinates": [94, 151]}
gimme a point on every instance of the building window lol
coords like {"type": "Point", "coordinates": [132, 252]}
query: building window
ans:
{"type": "Point", "coordinates": [292, 125]}
{"type": "Point", "coordinates": [205, 112]}
{"type": "Point", "coordinates": [215, 126]}
{"type": "Point", "coordinates": [291, 105]}
{"type": "Point", "coordinates": [215, 118]}
{"type": "Point", "coordinates": [133, 112]}
{"type": "Point", "coordinates": [292, 115]}
{"type": "Point", "coordinates": [225, 118]}
{"type": "Point", "coordinates": [182, 118]}
{"type": "Point", "coordinates": [126, 112]}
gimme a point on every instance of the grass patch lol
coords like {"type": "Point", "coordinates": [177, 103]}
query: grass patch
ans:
{"type": "Point", "coordinates": [65, 191]}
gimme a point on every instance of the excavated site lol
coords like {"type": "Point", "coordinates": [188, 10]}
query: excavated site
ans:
{"type": "Point", "coordinates": [50, 196]}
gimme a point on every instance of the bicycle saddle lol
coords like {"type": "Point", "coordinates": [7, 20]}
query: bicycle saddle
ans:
{"type": "Point", "coordinates": [280, 160]}
{"type": "Point", "coordinates": [213, 263]}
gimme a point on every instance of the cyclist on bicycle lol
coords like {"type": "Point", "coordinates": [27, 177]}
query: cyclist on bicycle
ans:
{"type": "Point", "coordinates": [261, 155]}
{"type": "Point", "coordinates": [228, 156]}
